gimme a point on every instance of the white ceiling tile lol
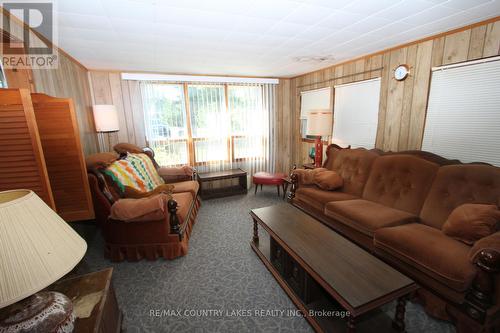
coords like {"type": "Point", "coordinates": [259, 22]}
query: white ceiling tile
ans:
{"type": "Point", "coordinates": [466, 4]}
{"type": "Point", "coordinates": [275, 9]}
{"type": "Point", "coordinates": [368, 7]}
{"type": "Point", "coordinates": [340, 19]}
{"type": "Point", "coordinates": [259, 37]}
{"type": "Point", "coordinates": [287, 29]}
{"type": "Point", "coordinates": [430, 15]}
{"type": "Point", "coordinates": [334, 4]}
{"type": "Point", "coordinates": [308, 14]}
{"type": "Point", "coordinates": [368, 24]}
{"type": "Point", "coordinates": [88, 21]}
{"type": "Point", "coordinates": [316, 33]}
{"type": "Point", "coordinates": [404, 8]}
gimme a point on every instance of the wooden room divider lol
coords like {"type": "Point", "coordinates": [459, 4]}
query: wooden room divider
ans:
{"type": "Point", "coordinates": [40, 149]}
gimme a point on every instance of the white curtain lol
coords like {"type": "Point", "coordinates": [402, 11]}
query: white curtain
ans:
{"type": "Point", "coordinates": [213, 127]}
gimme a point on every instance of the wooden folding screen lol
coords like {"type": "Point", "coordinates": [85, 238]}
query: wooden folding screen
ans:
{"type": "Point", "coordinates": [59, 135]}
{"type": "Point", "coordinates": [22, 162]}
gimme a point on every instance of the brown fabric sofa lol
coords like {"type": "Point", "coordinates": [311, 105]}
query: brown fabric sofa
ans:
{"type": "Point", "coordinates": [167, 238]}
{"type": "Point", "coordinates": [394, 205]}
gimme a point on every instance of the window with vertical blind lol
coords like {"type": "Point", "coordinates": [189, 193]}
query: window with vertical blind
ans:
{"type": "Point", "coordinates": [463, 114]}
{"type": "Point", "coordinates": [205, 123]}
{"type": "Point", "coordinates": [355, 113]}
{"type": "Point", "coordinates": [316, 99]}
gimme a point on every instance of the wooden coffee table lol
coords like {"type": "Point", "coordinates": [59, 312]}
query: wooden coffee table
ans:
{"type": "Point", "coordinates": [322, 271]}
{"type": "Point", "coordinates": [208, 193]}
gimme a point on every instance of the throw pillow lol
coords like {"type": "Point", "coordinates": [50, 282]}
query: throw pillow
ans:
{"type": "Point", "coordinates": [100, 160]}
{"type": "Point", "coordinates": [328, 180]}
{"type": "Point", "coordinates": [306, 176]}
{"type": "Point", "coordinates": [471, 222]}
{"type": "Point", "coordinates": [123, 148]}
{"type": "Point", "coordinates": [153, 208]}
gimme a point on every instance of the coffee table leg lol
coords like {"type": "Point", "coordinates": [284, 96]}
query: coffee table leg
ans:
{"type": "Point", "coordinates": [399, 319]}
{"type": "Point", "coordinates": [255, 232]}
{"type": "Point", "coordinates": [351, 325]}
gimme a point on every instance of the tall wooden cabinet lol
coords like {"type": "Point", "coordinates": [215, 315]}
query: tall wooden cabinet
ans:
{"type": "Point", "coordinates": [40, 149]}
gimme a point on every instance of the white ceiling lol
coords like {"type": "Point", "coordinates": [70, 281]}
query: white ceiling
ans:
{"type": "Point", "coordinates": [255, 38]}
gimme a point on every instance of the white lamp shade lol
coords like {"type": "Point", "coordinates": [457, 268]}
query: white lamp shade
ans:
{"type": "Point", "coordinates": [319, 122]}
{"type": "Point", "coordinates": [36, 246]}
{"type": "Point", "coordinates": [106, 118]}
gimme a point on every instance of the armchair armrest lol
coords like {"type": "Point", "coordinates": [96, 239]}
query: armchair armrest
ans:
{"type": "Point", "coordinates": [172, 175]}
{"type": "Point", "coordinates": [159, 208]}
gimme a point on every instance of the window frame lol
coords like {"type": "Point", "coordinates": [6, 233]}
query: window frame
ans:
{"type": "Point", "coordinates": [191, 141]}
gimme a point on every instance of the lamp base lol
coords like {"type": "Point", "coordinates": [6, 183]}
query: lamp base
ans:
{"type": "Point", "coordinates": [318, 157]}
{"type": "Point", "coordinates": [45, 311]}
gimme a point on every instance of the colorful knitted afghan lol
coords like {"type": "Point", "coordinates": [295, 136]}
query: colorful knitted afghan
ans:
{"type": "Point", "coordinates": [136, 171]}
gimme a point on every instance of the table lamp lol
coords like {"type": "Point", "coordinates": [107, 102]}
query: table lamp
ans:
{"type": "Point", "coordinates": [106, 121]}
{"type": "Point", "coordinates": [319, 123]}
{"type": "Point", "coordinates": [37, 248]}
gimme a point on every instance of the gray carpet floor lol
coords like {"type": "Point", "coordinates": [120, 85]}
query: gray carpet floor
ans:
{"type": "Point", "coordinates": [221, 274]}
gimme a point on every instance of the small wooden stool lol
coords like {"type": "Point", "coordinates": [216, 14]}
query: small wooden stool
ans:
{"type": "Point", "coordinates": [266, 178]}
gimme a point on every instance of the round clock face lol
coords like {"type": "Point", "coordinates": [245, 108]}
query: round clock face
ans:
{"type": "Point", "coordinates": [401, 72]}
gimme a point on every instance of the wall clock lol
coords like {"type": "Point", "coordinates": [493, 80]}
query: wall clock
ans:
{"type": "Point", "coordinates": [401, 72]}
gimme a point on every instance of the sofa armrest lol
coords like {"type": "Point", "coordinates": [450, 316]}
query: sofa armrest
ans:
{"type": "Point", "coordinates": [486, 253]}
{"type": "Point", "coordinates": [301, 174]}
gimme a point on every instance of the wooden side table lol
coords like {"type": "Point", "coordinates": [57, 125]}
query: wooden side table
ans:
{"type": "Point", "coordinates": [105, 316]}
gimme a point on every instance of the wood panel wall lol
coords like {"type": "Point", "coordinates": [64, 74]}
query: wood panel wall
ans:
{"type": "Point", "coordinates": [402, 104]}
{"type": "Point", "coordinates": [70, 80]}
{"type": "Point", "coordinates": [109, 88]}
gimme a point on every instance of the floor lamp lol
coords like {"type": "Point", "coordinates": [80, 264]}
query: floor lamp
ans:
{"type": "Point", "coordinates": [319, 123]}
{"type": "Point", "coordinates": [106, 121]}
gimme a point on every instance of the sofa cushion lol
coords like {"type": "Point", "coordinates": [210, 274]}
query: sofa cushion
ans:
{"type": "Point", "coordinates": [471, 222]}
{"type": "Point", "coordinates": [367, 216]}
{"type": "Point", "coordinates": [353, 165]}
{"type": "Point", "coordinates": [458, 184]}
{"type": "Point", "coordinates": [400, 181]}
{"type": "Point", "coordinates": [328, 180]}
{"type": "Point", "coordinates": [317, 198]}
{"type": "Point", "coordinates": [429, 250]}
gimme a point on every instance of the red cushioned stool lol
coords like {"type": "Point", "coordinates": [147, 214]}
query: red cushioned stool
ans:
{"type": "Point", "coordinates": [266, 178]}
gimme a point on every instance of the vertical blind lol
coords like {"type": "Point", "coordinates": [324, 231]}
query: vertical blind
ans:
{"type": "Point", "coordinates": [355, 113]}
{"type": "Point", "coordinates": [463, 114]}
{"type": "Point", "coordinates": [211, 126]}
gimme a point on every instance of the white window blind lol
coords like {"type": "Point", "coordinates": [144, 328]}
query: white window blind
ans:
{"type": "Point", "coordinates": [317, 99]}
{"type": "Point", "coordinates": [355, 113]}
{"type": "Point", "coordinates": [463, 114]}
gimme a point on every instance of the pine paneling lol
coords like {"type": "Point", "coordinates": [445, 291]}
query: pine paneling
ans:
{"type": "Point", "coordinates": [109, 88]}
{"type": "Point", "coordinates": [402, 104]}
{"type": "Point", "coordinates": [22, 162]}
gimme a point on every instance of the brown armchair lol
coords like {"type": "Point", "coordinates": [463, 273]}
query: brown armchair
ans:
{"type": "Point", "coordinates": [166, 235]}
